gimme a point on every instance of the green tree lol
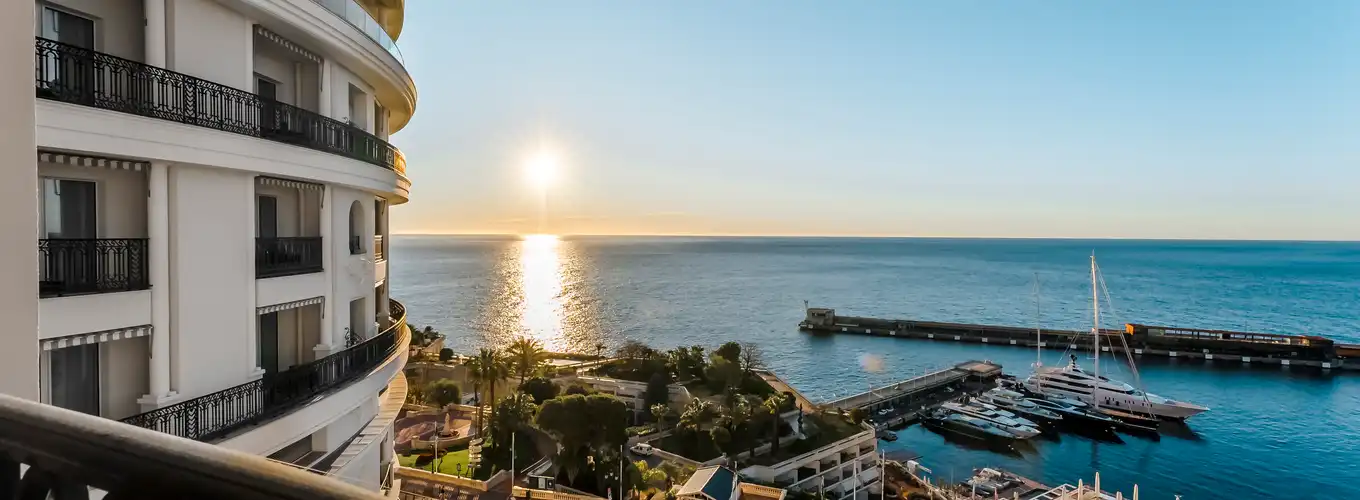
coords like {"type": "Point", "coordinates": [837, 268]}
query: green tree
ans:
{"type": "Point", "coordinates": [659, 414]}
{"type": "Point", "coordinates": [721, 437]}
{"type": "Point", "coordinates": [540, 388]}
{"type": "Point", "coordinates": [443, 392]}
{"type": "Point", "coordinates": [655, 478]}
{"type": "Point", "coordinates": [577, 390]}
{"type": "Point", "coordinates": [723, 374]}
{"type": "Point", "coordinates": [740, 411]}
{"type": "Point", "coordinates": [857, 415]}
{"type": "Point", "coordinates": [658, 389]}
{"type": "Point", "coordinates": [584, 426]}
{"type": "Point", "coordinates": [526, 355]}
{"type": "Point", "coordinates": [730, 351]}
{"type": "Point", "coordinates": [415, 395]}
{"type": "Point", "coordinates": [445, 355]}
{"type": "Point", "coordinates": [699, 414]}
{"type": "Point", "coordinates": [687, 362]}
{"type": "Point", "coordinates": [635, 351]}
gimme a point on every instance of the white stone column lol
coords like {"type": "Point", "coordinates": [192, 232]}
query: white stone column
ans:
{"type": "Point", "coordinates": [252, 326]}
{"type": "Point", "coordinates": [158, 236]}
{"type": "Point", "coordinates": [155, 32]}
{"type": "Point", "coordinates": [331, 338]}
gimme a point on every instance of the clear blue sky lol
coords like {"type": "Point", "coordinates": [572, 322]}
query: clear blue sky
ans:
{"type": "Point", "coordinates": [1140, 119]}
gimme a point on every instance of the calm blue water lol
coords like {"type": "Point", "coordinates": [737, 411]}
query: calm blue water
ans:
{"type": "Point", "coordinates": [1272, 433]}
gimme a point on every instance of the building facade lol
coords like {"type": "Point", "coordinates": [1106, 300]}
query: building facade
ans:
{"type": "Point", "coordinates": [848, 469]}
{"type": "Point", "coordinates": [213, 182]}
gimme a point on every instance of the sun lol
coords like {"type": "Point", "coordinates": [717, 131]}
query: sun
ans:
{"type": "Point", "coordinates": [541, 169]}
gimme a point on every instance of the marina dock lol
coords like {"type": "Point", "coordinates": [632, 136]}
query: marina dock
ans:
{"type": "Point", "coordinates": [1173, 342]}
{"type": "Point", "coordinates": [904, 400]}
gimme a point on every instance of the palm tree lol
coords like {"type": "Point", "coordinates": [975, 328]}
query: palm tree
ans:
{"type": "Point", "coordinates": [599, 349]}
{"type": "Point", "coordinates": [773, 404]}
{"type": "Point", "coordinates": [526, 355]}
{"type": "Point", "coordinates": [739, 412]}
{"type": "Point", "coordinates": [699, 414]}
{"type": "Point", "coordinates": [475, 375]}
{"type": "Point", "coordinates": [659, 412]}
{"type": "Point", "coordinates": [494, 369]}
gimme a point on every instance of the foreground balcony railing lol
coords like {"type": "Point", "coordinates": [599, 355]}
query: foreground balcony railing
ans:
{"type": "Point", "coordinates": [287, 256]}
{"type": "Point", "coordinates": [67, 453]}
{"type": "Point", "coordinates": [79, 266]}
{"type": "Point", "coordinates": [216, 415]}
{"type": "Point", "coordinates": [379, 251]}
{"type": "Point", "coordinates": [72, 74]}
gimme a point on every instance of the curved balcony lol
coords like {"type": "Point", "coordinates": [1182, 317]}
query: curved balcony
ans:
{"type": "Point", "coordinates": [222, 413]}
{"type": "Point", "coordinates": [75, 75]}
{"type": "Point", "coordinates": [67, 453]}
{"type": "Point", "coordinates": [356, 16]}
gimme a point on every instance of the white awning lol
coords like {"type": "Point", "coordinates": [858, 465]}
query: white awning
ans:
{"type": "Point", "coordinates": [289, 305]}
{"type": "Point", "coordinates": [92, 161]}
{"type": "Point", "coordinates": [96, 337]}
{"type": "Point", "coordinates": [287, 44]}
{"type": "Point", "coordinates": [288, 183]}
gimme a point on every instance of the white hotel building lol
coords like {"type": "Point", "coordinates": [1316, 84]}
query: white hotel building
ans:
{"type": "Point", "coordinates": [208, 184]}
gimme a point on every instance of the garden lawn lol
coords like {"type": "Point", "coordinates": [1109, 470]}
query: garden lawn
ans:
{"type": "Point", "coordinates": [448, 462]}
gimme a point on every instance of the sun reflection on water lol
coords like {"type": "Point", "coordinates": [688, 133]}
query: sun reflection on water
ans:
{"type": "Point", "coordinates": [542, 276]}
{"type": "Point", "coordinates": [543, 287]}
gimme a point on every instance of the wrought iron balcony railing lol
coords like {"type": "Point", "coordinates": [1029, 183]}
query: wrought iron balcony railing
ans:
{"type": "Point", "coordinates": [76, 75]}
{"type": "Point", "coordinates": [80, 266]}
{"type": "Point", "coordinates": [287, 256]}
{"type": "Point", "coordinates": [67, 453]}
{"type": "Point", "coordinates": [216, 415]}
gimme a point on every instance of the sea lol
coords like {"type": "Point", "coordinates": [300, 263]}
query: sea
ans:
{"type": "Point", "coordinates": [1273, 432]}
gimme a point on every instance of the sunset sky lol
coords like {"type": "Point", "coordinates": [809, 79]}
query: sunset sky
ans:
{"type": "Point", "coordinates": [1140, 119]}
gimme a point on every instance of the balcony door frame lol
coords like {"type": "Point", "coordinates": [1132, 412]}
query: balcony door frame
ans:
{"type": "Point", "coordinates": [259, 216]}
{"type": "Point", "coordinates": [48, 375]}
{"type": "Point", "coordinates": [43, 10]}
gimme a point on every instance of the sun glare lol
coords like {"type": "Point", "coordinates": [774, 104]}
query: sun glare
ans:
{"type": "Point", "coordinates": [542, 169]}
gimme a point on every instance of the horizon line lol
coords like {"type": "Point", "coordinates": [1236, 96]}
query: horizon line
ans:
{"type": "Point", "coordinates": [824, 236]}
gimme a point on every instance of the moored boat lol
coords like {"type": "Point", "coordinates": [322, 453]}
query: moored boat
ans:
{"type": "Point", "coordinates": [1103, 393]}
{"type": "Point", "coordinates": [1016, 403]}
{"type": "Point", "coordinates": [967, 426]}
{"type": "Point", "coordinates": [1019, 427]}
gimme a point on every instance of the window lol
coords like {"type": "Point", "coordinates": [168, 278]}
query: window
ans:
{"type": "Point", "coordinates": [379, 120]}
{"type": "Point", "coordinates": [75, 378]}
{"type": "Point", "coordinates": [67, 28]}
{"type": "Point", "coordinates": [356, 228]}
{"type": "Point", "coordinates": [267, 343]}
{"type": "Point", "coordinates": [68, 208]}
{"type": "Point", "coordinates": [267, 217]}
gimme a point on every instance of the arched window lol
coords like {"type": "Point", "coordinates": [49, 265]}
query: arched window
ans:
{"type": "Point", "coordinates": [356, 228]}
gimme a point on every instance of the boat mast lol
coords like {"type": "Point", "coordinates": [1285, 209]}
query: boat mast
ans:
{"type": "Point", "coordinates": [1095, 308]}
{"type": "Point", "coordinates": [1038, 330]}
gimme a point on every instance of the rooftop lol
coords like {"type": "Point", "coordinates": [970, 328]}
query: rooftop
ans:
{"type": "Point", "coordinates": [715, 481]}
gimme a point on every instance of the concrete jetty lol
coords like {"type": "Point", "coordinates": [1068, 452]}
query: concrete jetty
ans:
{"type": "Point", "coordinates": [1172, 342]}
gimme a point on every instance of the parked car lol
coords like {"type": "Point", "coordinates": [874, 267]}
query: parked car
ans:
{"type": "Point", "coordinates": [643, 449]}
